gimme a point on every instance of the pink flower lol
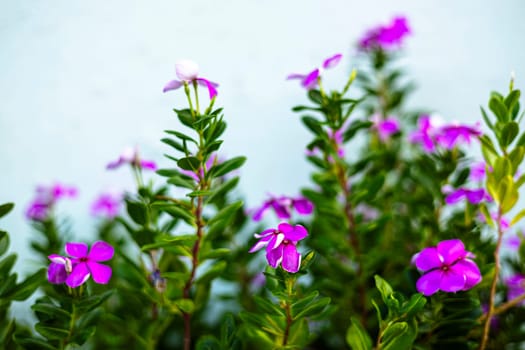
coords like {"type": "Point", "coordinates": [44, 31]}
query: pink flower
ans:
{"type": "Point", "coordinates": [46, 198]}
{"type": "Point", "coordinates": [280, 246]}
{"type": "Point", "coordinates": [428, 127]}
{"type": "Point", "coordinates": [76, 269]}
{"type": "Point", "coordinates": [187, 71]}
{"type": "Point", "coordinates": [386, 37]}
{"type": "Point", "coordinates": [283, 206]}
{"type": "Point", "coordinates": [477, 171]}
{"type": "Point", "coordinates": [474, 196]}
{"type": "Point", "coordinates": [450, 135]}
{"type": "Point", "coordinates": [310, 80]}
{"type": "Point", "coordinates": [131, 156]}
{"type": "Point", "coordinates": [385, 127]}
{"type": "Point", "coordinates": [515, 286]}
{"type": "Point", "coordinates": [107, 205]}
{"type": "Point", "coordinates": [446, 267]}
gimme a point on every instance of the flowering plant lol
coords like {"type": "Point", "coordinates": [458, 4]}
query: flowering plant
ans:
{"type": "Point", "coordinates": [379, 251]}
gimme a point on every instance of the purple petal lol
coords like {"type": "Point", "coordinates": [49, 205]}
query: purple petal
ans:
{"type": "Point", "coordinates": [56, 273]}
{"type": "Point", "coordinates": [101, 273]}
{"type": "Point", "coordinates": [263, 242]}
{"type": "Point", "coordinates": [77, 250]}
{"type": "Point", "coordinates": [332, 61]}
{"type": "Point", "coordinates": [148, 164]}
{"type": "Point", "coordinates": [475, 196]}
{"type": "Point", "coordinates": [212, 91]}
{"type": "Point", "coordinates": [303, 206]}
{"type": "Point", "coordinates": [298, 233]}
{"type": "Point", "coordinates": [172, 85]}
{"type": "Point", "coordinates": [281, 210]}
{"type": "Point", "coordinates": [115, 164]}
{"type": "Point", "coordinates": [260, 212]}
{"type": "Point", "coordinates": [78, 276]}
{"type": "Point", "coordinates": [452, 281]}
{"type": "Point", "coordinates": [451, 250]}
{"type": "Point", "coordinates": [275, 256]}
{"type": "Point", "coordinates": [429, 283]}
{"type": "Point", "coordinates": [455, 196]}
{"type": "Point", "coordinates": [275, 242]}
{"type": "Point", "coordinates": [310, 81]}
{"type": "Point", "coordinates": [101, 251]}
{"type": "Point", "coordinates": [291, 258]}
{"type": "Point", "coordinates": [296, 76]}
{"type": "Point", "coordinates": [428, 259]}
{"type": "Point", "coordinates": [186, 70]}
{"type": "Point", "coordinates": [285, 228]}
{"type": "Point", "coordinates": [470, 270]}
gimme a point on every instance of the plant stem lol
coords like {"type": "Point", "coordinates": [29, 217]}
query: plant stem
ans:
{"type": "Point", "coordinates": [197, 108]}
{"type": "Point", "coordinates": [490, 312]}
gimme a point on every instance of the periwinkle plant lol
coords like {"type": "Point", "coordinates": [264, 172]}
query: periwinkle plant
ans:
{"type": "Point", "coordinates": [397, 243]}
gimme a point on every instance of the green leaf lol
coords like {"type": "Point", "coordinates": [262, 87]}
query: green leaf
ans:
{"type": "Point", "coordinates": [216, 253]}
{"type": "Point", "coordinates": [508, 134]}
{"type": "Point", "coordinates": [414, 305]}
{"type": "Point", "coordinates": [227, 166]}
{"type": "Point", "coordinates": [507, 194]}
{"type": "Point", "coordinates": [384, 288]}
{"type": "Point", "coordinates": [89, 303]}
{"type": "Point", "coordinates": [199, 193]}
{"type": "Point", "coordinates": [313, 308]}
{"type": "Point", "coordinates": [185, 116]}
{"type": "Point", "coordinates": [4, 242]}
{"type": "Point", "coordinates": [399, 335]}
{"type": "Point", "coordinates": [313, 124]}
{"type": "Point", "coordinates": [357, 337]}
{"type": "Point", "coordinates": [185, 305]}
{"type": "Point", "coordinates": [486, 118]}
{"type": "Point", "coordinates": [488, 150]}
{"type": "Point", "coordinates": [180, 135]}
{"type": "Point", "coordinates": [299, 334]}
{"type": "Point", "coordinates": [303, 302]}
{"type": "Point", "coordinates": [52, 310]}
{"type": "Point", "coordinates": [517, 217]}
{"type": "Point", "coordinates": [52, 332]}
{"type": "Point", "coordinates": [181, 180]}
{"type": "Point", "coordinates": [175, 144]}
{"type": "Point", "coordinates": [6, 264]}
{"type": "Point", "coordinates": [222, 190]}
{"type": "Point", "coordinates": [516, 158]}
{"type": "Point", "coordinates": [6, 208]}
{"type": "Point", "coordinates": [512, 99]}
{"type": "Point", "coordinates": [214, 131]}
{"type": "Point", "coordinates": [228, 331]}
{"type": "Point", "coordinates": [208, 342]}
{"type": "Point", "coordinates": [354, 128]}
{"type": "Point", "coordinates": [268, 307]}
{"type": "Point", "coordinates": [137, 211]}
{"type": "Point", "coordinates": [499, 109]}
{"type": "Point", "coordinates": [32, 343]}
{"type": "Point", "coordinates": [315, 96]}
{"type": "Point", "coordinates": [226, 213]}
{"type": "Point", "coordinates": [28, 286]}
{"type": "Point", "coordinates": [189, 163]}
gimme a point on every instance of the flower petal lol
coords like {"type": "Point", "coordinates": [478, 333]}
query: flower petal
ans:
{"type": "Point", "coordinates": [172, 85]}
{"type": "Point", "coordinates": [257, 216]}
{"type": "Point", "coordinates": [303, 206]}
{"type": "Point", "coordinates": [78, 276]}
{"type": "Point", "coordinates": [212, 91]}
{"type": "Point", "coordinates": [291, 258]}
{"type": "Point", "coordinates": [101, 273]}
{"type": "Point", "coordinates": [101, 251]}
{"type": "Point", "coordinates": [452, 281]}
{"type": "Point", "coordinates": [451, 250]}
{"type": "Point", "coordinates": [427, 259]}
{"type": "Point", "coordinates": [470, 270]}
{"type": "Point", "coordinates": [455, 196]}
{"type": "Point", "coordinates": [274, 256]}
{"type": "Point", "coordinates": [77, 250]}
{"type": "Point", "coordinates": [56, 273]}
{"type": "Point", "coordinates": [332, 61]}
{"type": "Point", "coordinates": [429, 283]}
{"type": "Point", "coordinates": [296, 76]}
{"type": "Point", "coordinates": [310, 81]}
{"type": "Point", "coordinates": [186, 70]}
{"type": "Point", "coordinates": [148, 164]}
{"type": "Point", "coordinates": [263, 242]}
{"type": "Point", "coordinates": [298, 233]}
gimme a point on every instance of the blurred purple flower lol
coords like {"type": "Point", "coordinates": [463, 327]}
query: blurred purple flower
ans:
{"type": "Point", "coordinates": [446, 267]}
{"type": "Point", "coordinates": [514, 242]}
{"type": "Point", "coordinates": [386, 37]}
{"type": "Point", "coordinates": [131, 156]}
{"type": "Point", "coordinates": [107, 205]}
{"type": "Point", "coordinates": [310, 80]}
{"type": "Point", "coordinates": [515, 286]}
{"type": "Point", "coordinates": [46, 198]}
{"type": "Point", "coordinates": [450, 135]}
{"type": "Point", "coordinates": [187, 71]}
{"type": "Point", "coordinates": [385, 127]}
{"type": "Point", "coordinates": [474, 196]}
{"type": "Point", "coordinates": [477, 171]}
{"type": "Point", "coordinates": [280, 246]}
{"type": "Point", "coordinates": [426, 133]}
{"type": "Point", "coordinates": [76, 269]}
{"type": "Point", "coordinates": [283, 206]}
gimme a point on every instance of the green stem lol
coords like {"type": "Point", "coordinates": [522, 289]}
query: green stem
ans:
{"type": "Point", "coordinates": [188, 95]}
{"type": "Point", "coordinates": [196, 97]}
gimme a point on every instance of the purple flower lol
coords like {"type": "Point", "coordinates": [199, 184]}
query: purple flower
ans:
{"type": "Point", "coordinates": [187, 71]}
{"type": "Point", "coordinates": [46, 198]}
{"type": "Point", "coordinates": [386, 37]}
{"type": "Point", "coordinates": [280, 246]}
{"type": "Point", "coordinates": [477, 171]}
{"type": "Point", "coordinates": [107, 205]}
{"type": "Point", "coordinates": [514, 242]}
{"type": "Point", "coordinates": [76, 269]}
{"type": "Point", "coordinates": [450, 135]}
{"type": "Point", "coordinates": [385, 127]}
{"type": "Point", "coordinates": [515, 286]}
{"type": "Point", "coordinates": [426, 133]}
{"type": "Point", "coordinates": [446, 267]}
{"type": "Point", "coordinates": [131, 156]}
{"type": "Point", "coordinates": [310, 80]}
{"type": "Point", "coordinates": [474, 196]}
{"type": "Point", "coordinates": [282, 207]}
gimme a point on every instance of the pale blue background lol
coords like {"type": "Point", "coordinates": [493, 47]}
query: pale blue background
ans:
{"type": "Point", "coordinates": [80, 80]}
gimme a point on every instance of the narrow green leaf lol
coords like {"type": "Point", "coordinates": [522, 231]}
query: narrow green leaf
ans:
{"type": "Point", "coordinates": [189, 163]}
{"type": "Point", "coordinates": [499, 109]}
{"type": "Point", "coordinates": [226, 213]}
{"type": "Point", "coordinates": [216, 253]}
{"type": "Point", "coordinates": [185, 305]}
{"type": "Point", "coordinates": [185, 117]}
{"type": "Point", "coordinates": [227, 166]}
{"type": "Point", "coordinates": [222, 190]}
{"type": "Point", "coordinates": [32, 343]}
{"type": "Point", "coordinates": [313, 124]}
{"type": "Point", "coordinates": [208, 342]}
{"type": "Point", "coordinates": [137, 211]}
{"type": "Point", "coordinates": [508, 134]}
{"type": "Point", "coordinates": [357, 337]}
{"type": "Point", "coordinates": [384, 288]}
{"type": "Point", "coordinates": [51, 332]}
{"type": "Point", "coordinates": [313, 308]}
{"type": "Point", "coordinates": [6, 264]}
{"type": "Point", "coordinates": [6, 208]}
{"type": "Point", "coordinates": [170, 142]}
{"type": "Point", "coordinates": [4, 242]}
{"type": "Point", "coordinates": [25, 289]}
{"type": "Point", "coordinates": [486, 118]}
{"type": "Point", "coordinates": [518, 217]}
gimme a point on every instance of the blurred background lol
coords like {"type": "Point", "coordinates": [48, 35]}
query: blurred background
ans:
{"type": "Point", "coordinates": [81, 80]}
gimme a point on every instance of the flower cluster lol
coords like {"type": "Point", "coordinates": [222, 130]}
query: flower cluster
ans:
{"type": "Point", "coordinates": [283, 205]}
{"type": "Point", "coordinates": [385, 127]}
{"type": "Point", "coordinates": [76, 269]}
{"type": "Point", "coordinates": [188, 72]}
{"type": "Point", "coordinates": [310, 80]}
{"type": "Point", "coordinates": [386, 36]}
{"type": "Point", "coordinates": [107, 205]}
{"type": "Point", "coordinates": [130, 156]}
{"type": "Point", "coordinates": [280, 246]}
{"type": "Point", "coordinates": [447, 267]}
{"type": "Point", "coordinates": [431, 133]}
{"type": "Point", "coordinates": [46, 198]}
